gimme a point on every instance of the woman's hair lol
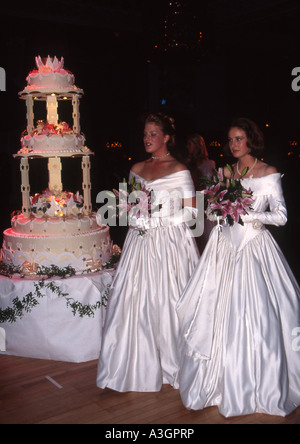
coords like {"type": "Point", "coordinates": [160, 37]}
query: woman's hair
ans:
{"type": "Point", "coordinates": [166, 124]}
{"type": "Point", "coordinates": [255, 137]}
{"type": "Point", "coordinates": [200, 146]}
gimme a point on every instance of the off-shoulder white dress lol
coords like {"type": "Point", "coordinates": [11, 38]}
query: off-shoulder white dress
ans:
{"type": "Point", "coordinates": [140, 338]}
{"type": "Point", "coordinates": [240, 317]}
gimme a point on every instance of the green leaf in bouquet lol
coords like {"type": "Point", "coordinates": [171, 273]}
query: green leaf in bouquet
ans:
{"type": "Point", "coordinates": [244, 172]}
{"type": "Point", "coordinates": [229, 168]}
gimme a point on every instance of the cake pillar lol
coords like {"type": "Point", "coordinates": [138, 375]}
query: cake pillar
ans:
{"type": "Point", "coordinates": [55, 167]}
{"type": "Point", "coordinates": [25, 187]}
{"type": "Point", "coordinates": [86, 185]}
{"type": "Point", "coordinates": [76, 114]}
{"type": "Point", "coordinates": [30, 115]}
{"type": "Point", "coordinates": [52, 116]}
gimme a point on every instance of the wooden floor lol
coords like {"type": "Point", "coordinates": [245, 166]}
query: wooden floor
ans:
{"type": "Point", "coordinates": [27, 396]}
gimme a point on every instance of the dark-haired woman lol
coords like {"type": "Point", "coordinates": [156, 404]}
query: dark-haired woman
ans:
{"type": "Point", "coordinates": [200, 165]}
{"type": "Point", "coordinates": [140, 338]}
{"type": "Point", "coordinates": [240, 313]}
{"type": "Point", "coordinates": [198, 160]}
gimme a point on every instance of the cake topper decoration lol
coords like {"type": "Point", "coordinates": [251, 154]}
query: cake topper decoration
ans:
{"type": "Point", "coordinates": [51, 65]}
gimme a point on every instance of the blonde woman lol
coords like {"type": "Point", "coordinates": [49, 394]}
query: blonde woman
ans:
{"type": "Point", "coordinates": [141, 332]}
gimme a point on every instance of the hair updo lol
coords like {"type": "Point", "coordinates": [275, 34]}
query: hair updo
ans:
{"type": "Point", "coordinates": [166, 124]}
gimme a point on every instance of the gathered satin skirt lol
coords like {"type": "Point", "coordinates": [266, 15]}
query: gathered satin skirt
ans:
{"type": "Point", "coordinates": [140, 339]}
{"type": "Point", "coordinates": [240, 317]}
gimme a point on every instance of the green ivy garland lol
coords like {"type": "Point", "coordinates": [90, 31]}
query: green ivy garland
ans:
{"type": "Point", "coordinates": [31, 300]}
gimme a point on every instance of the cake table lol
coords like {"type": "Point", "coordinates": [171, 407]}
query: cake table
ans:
{"type": "Point", "coordinates": [51, 330]}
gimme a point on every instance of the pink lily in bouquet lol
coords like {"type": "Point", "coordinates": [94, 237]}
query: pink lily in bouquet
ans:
{"type": "Point", "coordinates": [143, 204]}
{"type": "Point", "coordinates": [137, 203]}
{"type": "Point", "coordinates": [227, 200]}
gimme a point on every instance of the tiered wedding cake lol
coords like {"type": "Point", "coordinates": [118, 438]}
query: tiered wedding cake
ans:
{"type": "Point", "coordinates": [54, 227]}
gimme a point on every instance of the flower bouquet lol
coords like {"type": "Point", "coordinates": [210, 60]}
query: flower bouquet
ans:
{"type": "Point", "coordinates": [227, 200]}
{"type": "Point", "coordinates": [135, 201]}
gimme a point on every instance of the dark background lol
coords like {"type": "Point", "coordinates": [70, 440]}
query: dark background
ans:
{"type": "Point", "coordinates": [203, 62]}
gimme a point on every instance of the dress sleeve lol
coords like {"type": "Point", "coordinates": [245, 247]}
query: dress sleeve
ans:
{"type": "Point", "coordinates": [186, 185]}
{"type": "Point", "coordinates": [277, 214]}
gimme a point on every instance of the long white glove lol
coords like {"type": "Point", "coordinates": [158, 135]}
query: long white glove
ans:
{"type": "Point", "coordinates": [277, 214]}
{"type": "Point", "coordinates": [186, 214]}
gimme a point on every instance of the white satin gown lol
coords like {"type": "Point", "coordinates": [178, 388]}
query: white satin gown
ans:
{"type": "Point", "coordinates": [240, 317]}
{"type": "Point", "coordinates": [140, 337]}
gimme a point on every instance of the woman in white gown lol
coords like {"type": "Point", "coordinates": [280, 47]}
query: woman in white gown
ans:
{"type": "Point", "coordinates": [240, 312]}
{"type": "Point", "coordinates": [140, 338]}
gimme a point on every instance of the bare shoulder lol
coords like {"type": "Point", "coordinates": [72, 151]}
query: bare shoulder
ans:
{"type": "Point", "coordinates": [265, 170]}
{"type": "Point", "coordinates": [178, 166]}
{"type": "Point", "coordinates": [138, 167]}
{"type": "Point", "coordinates": [271, 170]}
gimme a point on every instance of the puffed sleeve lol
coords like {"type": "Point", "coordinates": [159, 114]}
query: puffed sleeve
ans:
{"type": "Point", "coordinates": [277, 214]}
{"type": "Point", "coordinates": [184, 184]}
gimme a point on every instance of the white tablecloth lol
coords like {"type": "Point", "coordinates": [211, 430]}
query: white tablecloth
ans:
{"type": "Point", "coordinates": [51, 331]}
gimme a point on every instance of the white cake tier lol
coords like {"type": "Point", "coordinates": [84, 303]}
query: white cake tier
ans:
{"type": "Point", "coordinates": [57, 80]}
{"type": "Point", "coordinates": [55, 225]}
{"type": "Point", "coordinates": [81, 251]}
{"type": "Point", "coordinates": [53, 143]}
{"type": "Point", "coordinates": [42, 93]}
